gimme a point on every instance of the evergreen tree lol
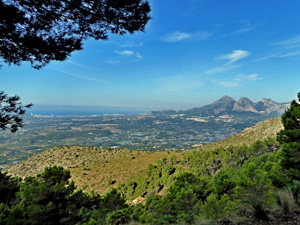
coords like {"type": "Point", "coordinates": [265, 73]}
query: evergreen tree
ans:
{"type": "Point", "coordinates": [8, 188]}
{"type": "Point", "coordinates": [291, 123]}
{"type": "Point", "coordinates": [290, 137]}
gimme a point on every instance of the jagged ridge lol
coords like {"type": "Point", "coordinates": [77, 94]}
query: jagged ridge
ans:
{"type": "Point", "coordinates": [227, 105]}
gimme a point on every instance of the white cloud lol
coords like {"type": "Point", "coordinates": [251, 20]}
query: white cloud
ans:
{"type": "Point", "coordinates": [131, 44]}
{"type": "Point", "coordinates": [84, 77]}
{"type": "Point", "coordinates": [80, 65]}
{"type": "Point", "coordinates": [138, 55]}
{"type": "Point", "coordinates": [180, 36]}
{"type": "Point", "coordinates": [221, 69]}
{"type": "Point", "coordinates": [232, 57]}
{"type": "Point", "coordinates": [268, 57]}
{"type": "Point", "coordinates": [285, 47]}
{"type": "Point", "coordinates": [176, 36]}
{"type": "Point", "coordinates": [282, 54]}
{"type": "Point", "coordinates": [247, 26]}
{"type": "Point", "coordinates": [125, 52]}
{"type": "Point", "coordinates": [202, 35]}
{"type": "Point", "coordinates": [235, 56]}
{"type": "Point", "coordinates": [226, 83]}
{"type": "Point", "coordinates": [75, 63]}
{"type": "Point", "coordinates": [113, 62]}
{"type": "Point", "coordinates": [251, 77]}
{"type": "Point", "coordinates": [129, 54]}
{"type": "Point", "coordinates": [238, 81]}
{"type": "Point", "coordinates": [289, 54]}
{"type": "Point", "coordinates": [289, 42]}
{"type": "Point", "coordinates": [243, 30]}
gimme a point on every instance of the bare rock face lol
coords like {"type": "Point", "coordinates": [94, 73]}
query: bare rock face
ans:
{"type": "Point", "coordinates": [227, 106]}
{"type": "Point", "coordinates": [245, 105]}
{"type": "Point", "coordinates": [224, 104]}
{"type": "Point", "coordinates": [272, 106]}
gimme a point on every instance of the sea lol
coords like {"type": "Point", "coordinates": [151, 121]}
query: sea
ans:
{"type": "Point", "coordinates": [58, 110]}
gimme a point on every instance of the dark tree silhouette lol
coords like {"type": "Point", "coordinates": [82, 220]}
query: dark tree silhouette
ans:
{"type": "Point", "coordinates": [41, 31]}
{"type": "Point", "coordinates": [11, 110]}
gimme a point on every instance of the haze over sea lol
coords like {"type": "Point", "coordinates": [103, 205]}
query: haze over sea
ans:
{"type": "Point", "coordinates": [57, 110]}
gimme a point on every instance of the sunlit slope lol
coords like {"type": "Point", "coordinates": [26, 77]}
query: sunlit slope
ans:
{"type": "Point", "coordinates": [262, 130]}
{"type": "Point", "coordinates": [92, 168]}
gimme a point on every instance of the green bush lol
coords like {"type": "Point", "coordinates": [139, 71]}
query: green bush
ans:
{"type": "Point", "coordinates": [121, 216]}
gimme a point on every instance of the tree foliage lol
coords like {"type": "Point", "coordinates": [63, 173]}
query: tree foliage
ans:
{"type": "Point", "coordinates": [41, 31]}
{"type": "Point", "coordinates": [50, 198]}
{"type": "Point", "coordinates": [11, 110]}
{"type": "Point", "coordinates": [291, 122]}
{"type": "Point", "coordinates": [246, 185]}
{"type": "Point", "coordinates": [290, 136]}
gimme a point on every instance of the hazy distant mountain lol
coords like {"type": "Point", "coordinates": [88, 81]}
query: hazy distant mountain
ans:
{"type": "Point", "coordinates": [245, 105]}
{"type": "Point", "coordinates": [221, 106]}
{"type": "Point", "coordinates": [227, 106]}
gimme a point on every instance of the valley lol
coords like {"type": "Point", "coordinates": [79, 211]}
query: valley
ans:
{"type": "Point", "coordinates": [92, 167]}
{"type": "Point", "coordinates": [168, 130]}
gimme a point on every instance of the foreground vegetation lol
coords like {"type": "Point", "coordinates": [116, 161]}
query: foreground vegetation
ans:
{"type": "Point", "coordinates": [92, 168]}
{"type": "Point", "coordinates": [237, 185]}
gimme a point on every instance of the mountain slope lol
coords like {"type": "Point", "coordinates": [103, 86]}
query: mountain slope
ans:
{"type": "Point", "coordinates": [244, 105]}
{"type": "Point", "coordinates": [221, 106]}
{"type": "Point", "coordinates": [91, 167]}
{"type": "Point", "coordinates": [263, 130]}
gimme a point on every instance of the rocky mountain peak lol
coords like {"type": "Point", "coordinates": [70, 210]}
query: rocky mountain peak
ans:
{"type": "Point", "coordinates": [227, 105]}
{"type": "Point", "coordinates": [268, 101]}
{"type": "Point", "coordinates": [245, 105]}
{"type": "Point", "coordinates": [226, 98]}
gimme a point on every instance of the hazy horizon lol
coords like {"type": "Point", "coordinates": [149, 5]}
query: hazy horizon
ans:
{"type": "Point", "coordinates": [191, 53]}
{"type": "Point", "coordinates": [44, 109]}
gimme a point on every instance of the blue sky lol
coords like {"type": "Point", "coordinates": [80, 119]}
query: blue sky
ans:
{"type": "Point", "coordinates": [192, 53]}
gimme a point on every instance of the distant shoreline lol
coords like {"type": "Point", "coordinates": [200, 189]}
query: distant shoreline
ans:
{"type": "Point", "coordinates": [49, 110]}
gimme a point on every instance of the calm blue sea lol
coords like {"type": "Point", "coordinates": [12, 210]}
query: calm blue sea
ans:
{"type": "Point", "coordinates": [82, 110]}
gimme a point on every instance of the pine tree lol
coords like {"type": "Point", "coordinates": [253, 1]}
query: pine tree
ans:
{"type": "Point", "coordinates": [290, 137]}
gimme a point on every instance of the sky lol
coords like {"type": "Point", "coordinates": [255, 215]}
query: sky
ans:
{"type": "Point", "coordinates": [192, 53]}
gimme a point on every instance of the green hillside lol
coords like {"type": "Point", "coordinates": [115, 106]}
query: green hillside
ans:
{"type": "Point", "coordinates": [91, 167]}
{"type": "Point", "coordinates": [245, 183]}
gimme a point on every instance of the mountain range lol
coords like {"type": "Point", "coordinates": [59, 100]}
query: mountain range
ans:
{"type": "Point", "coordinates": [228, 106]}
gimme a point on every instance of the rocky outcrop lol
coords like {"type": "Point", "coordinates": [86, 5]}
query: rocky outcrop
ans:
{"type": "Point", "coordinates": [244, 105]}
